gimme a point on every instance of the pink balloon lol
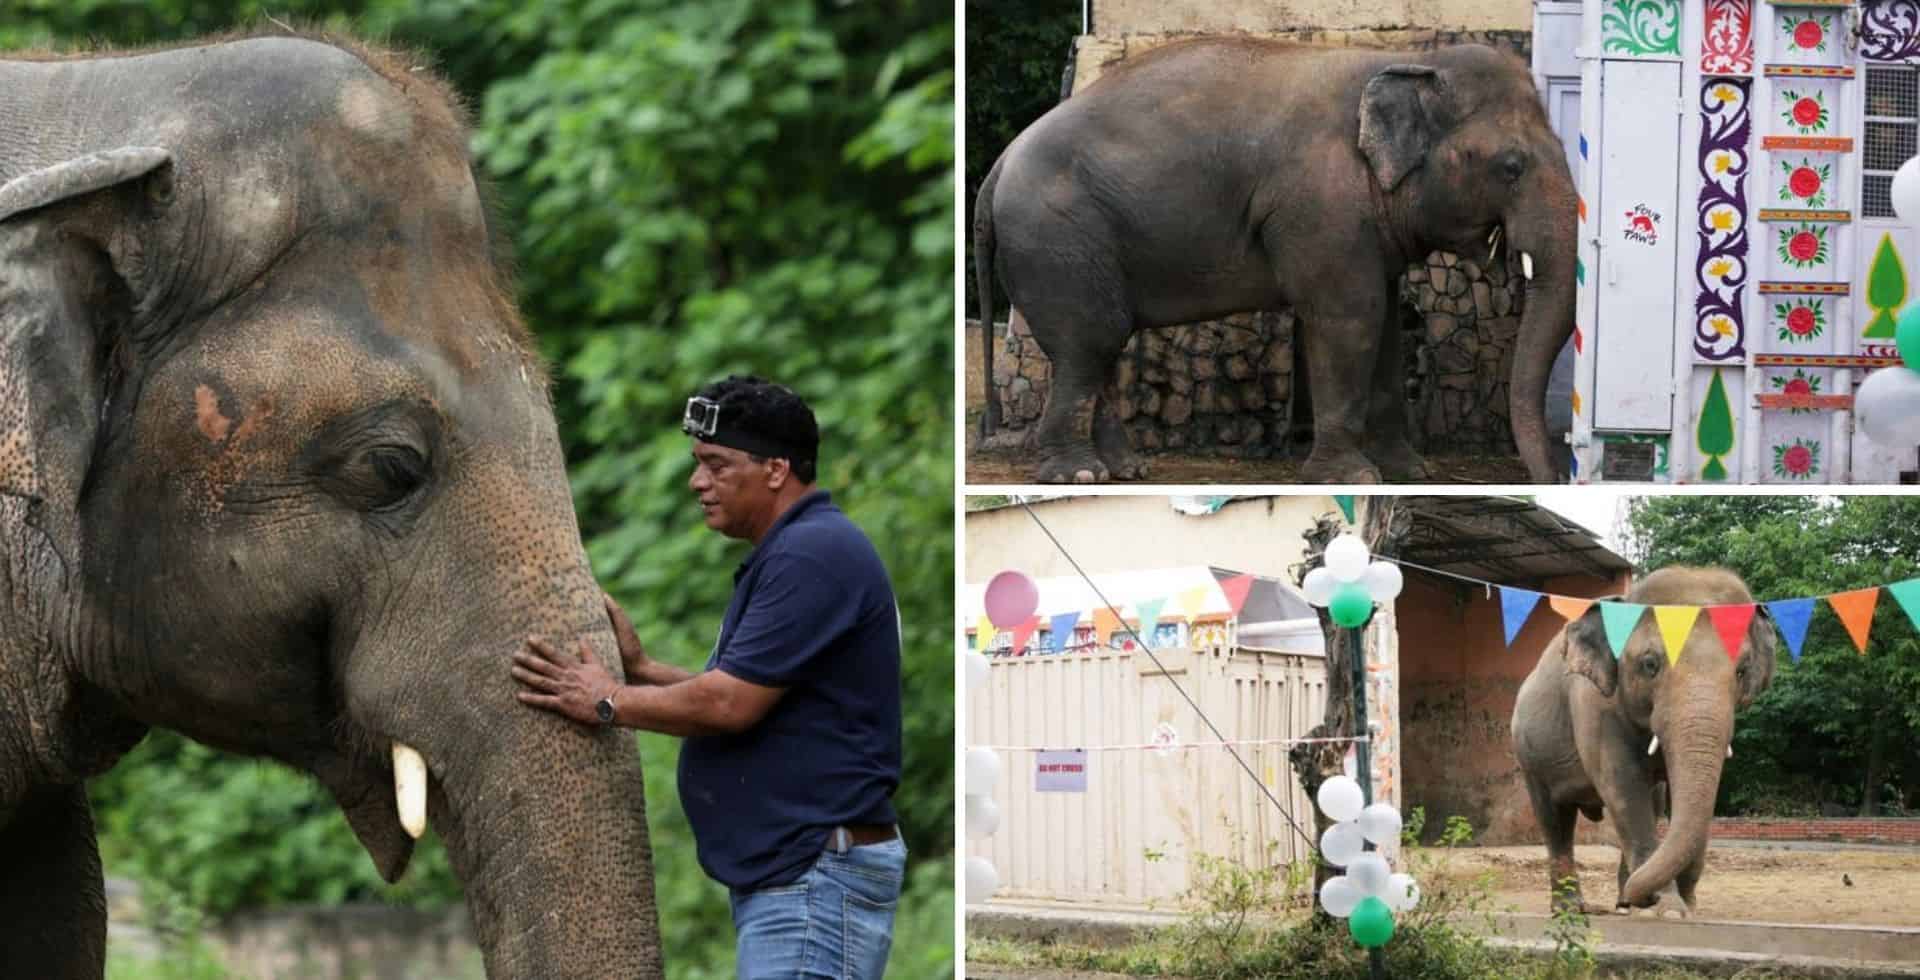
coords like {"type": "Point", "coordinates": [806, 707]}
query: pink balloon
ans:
{"type": "Point", "coordinates": [1011, 599]}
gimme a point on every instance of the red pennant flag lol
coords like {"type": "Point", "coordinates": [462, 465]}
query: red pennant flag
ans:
{"type": "Point", "coordinates": [1024, 632]}
{"type": "Point", "coordinates": [1236, 589]}
{"type": "Point", "coordinates": [1855, 610]}
{"type": "Point", "coordinates": [1731, 623]}
{"type": "Point", "coordinates": [1105, 623]}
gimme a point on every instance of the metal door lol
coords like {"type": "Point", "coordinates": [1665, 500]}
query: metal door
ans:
{"type": "Point", "coordinates": [1639, 229]}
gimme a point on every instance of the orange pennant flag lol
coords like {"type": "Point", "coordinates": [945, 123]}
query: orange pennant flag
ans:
{"type": "Point", "coordinates": [1855, 610]}
{"type": "Point", "coordinates": [1104, 625]}
{"type": "Point", "coordinates": [1191, 600]}
{"type": "Point", "coordinates": [1569, 607]}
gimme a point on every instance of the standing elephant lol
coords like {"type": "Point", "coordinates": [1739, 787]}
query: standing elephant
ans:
{"type": "Point", "coordinates": [1595, 733]}
{"type": "Point", "coordinates": [279, 470]}
{"type": "Point", "coordinates": [1215, 176]}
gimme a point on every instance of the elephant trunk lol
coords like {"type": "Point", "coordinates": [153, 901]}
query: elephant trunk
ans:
{"type": "Point", "coordinates": [1696, 749]}
{"type": "Point", "coordinates": [1542, 241]}
{"type": "Point", "coordinates": [548, 836]}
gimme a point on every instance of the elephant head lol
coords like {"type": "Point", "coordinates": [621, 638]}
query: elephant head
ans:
{"type": "Point", "coordinates": [1465, 155]}
{"type": "Point", "coordinates": [279, 470]}
{"type": "Point", "coordinates": [1686, 703]}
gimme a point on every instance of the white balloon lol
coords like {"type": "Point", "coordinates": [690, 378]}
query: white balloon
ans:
{"type": "Point", "coordinates": [1347, 557]}
{"type": "Point", "coordinates": [1887, 405]}
{"type": "Point", "coordinates": [1318, 586]}
{"type": "Point", "coordinates": [1342, 843]}
{"type": "Point", "coordinates": [1906, 191]}
{"type": "Point", "coordinates": [1340, 799]}
{"type": "Point", "coordinates": [1370, 874]}
{"type": "Point", "coordinates": [1380, 823]}
{"type": "Point", "coordinates": [983, 770]}
{"type": "Point", "coordinates": [1339, 896]}
{"type": "Point", "coordinates": [1383, 581]}
{"type": "Point", "coordinates": [983, 816]}
{"type": "Point", "coordinates": [1403, 893]}
{"type": "Point", "coordinates": [982, 880]}
{"type": "Point", "coordinates": [976, 671]}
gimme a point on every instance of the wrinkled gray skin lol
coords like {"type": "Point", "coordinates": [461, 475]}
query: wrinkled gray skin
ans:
{"type": "Point", "coordinates": [279, 471]}
{"type": "Point", "coordinates": [1215, 176]}
{"type": "Point", "coordinates": [1583, 723]}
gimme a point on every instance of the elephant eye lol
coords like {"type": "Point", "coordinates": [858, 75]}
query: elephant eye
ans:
{"type": "Point", "coordinates": [398, 472]}
{"type": "Point", "coordinates": [1511, 165]}
{"type": "Point", "coordinates": [1650, 665]}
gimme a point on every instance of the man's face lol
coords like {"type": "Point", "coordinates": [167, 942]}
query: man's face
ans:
{"type": "Point", "coordinates": [732, 489]}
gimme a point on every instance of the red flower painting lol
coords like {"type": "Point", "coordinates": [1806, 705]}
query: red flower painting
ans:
{"type": "Point", "coordinates": [1805, 182]}
{"type": "Point", "coordinates": [1799, 461]}
{"type": "Point", "coordinates": [1807, 34]}
{"type": "Point", "coordinates": [1800, 321]}
{"type": "Point", "coordinates": [1806, 112]}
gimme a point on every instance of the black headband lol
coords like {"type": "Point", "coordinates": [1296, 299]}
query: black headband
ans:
{"type": "Point", "coordinates": [702, 421]}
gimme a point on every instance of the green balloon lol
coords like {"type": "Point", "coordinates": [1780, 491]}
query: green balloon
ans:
{"type": "Point", "coordinates": [1906, 336]}
{"type": "Point", "coordinates": [1371, 922]}
{"type": "Point", "coordinates": [1351, 605]}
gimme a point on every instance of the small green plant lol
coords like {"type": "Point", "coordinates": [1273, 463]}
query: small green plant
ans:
{"type": "Point", "coordinates": [1225, 901]}
{"type": "Point", "coordinates": [1571, 932]}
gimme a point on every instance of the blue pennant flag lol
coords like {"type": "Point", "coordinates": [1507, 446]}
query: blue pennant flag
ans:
{"type": "Point", "coordinates": [1792, 615]}
{"type": "Point", "coordinates": [1515, 606]}
{"type": "Point", "coordinates": [1062, 627]}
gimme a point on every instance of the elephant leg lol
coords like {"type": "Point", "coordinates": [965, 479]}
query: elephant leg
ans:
{"type": "Point", "coordinates": [53, 909]}
{"type": "Point", "coordinates": [1340, 350]}
{"type": "Point", "coordinates": [1688, 879]}
{"type": "Point", "coordinates": [1387, 443]}
{"type": "Point", "coordinates": [1082, 336]}
{"type": "Point", "coordinates": [1631, 803]}
{"type": "Point", "coordinates": [1556, 824]}
{"type": "Point", "coordinates": [1110, 441]}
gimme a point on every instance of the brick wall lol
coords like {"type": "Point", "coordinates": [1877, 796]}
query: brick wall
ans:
{"type": "Point", "coordinates": [1859, 830]}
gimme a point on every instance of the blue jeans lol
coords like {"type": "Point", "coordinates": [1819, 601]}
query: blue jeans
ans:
{"type": "Point", "coordinates": [836, 921]}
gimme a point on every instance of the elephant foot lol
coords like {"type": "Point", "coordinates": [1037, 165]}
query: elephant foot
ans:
{"type": "Point", "coordinates": [1401, 464]}
{"type": "Point", "coordinates": [1124, 465]}
{"type": "Point", "coordinates": [1072, 466]}
{"type": "Point", "coordinates": [1347, 467]}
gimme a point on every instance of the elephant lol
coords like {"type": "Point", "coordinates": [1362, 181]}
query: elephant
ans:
{"type": "Point", "coordinates": [279, 471]}
{"type": "Point", "coordinates": [1595, 734]}
{"type": "Point", "coordinates": [1221, 175]}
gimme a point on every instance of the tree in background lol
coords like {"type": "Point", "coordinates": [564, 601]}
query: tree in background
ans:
{"type": "Point", "coordinates": [1837, 727]}
{"type": "Point", "coordinates": [690, 190]}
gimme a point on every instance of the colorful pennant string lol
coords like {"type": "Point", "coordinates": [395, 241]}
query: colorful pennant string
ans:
{"type": "Point", "coordinates": [1620, 618]}
{"type": "Point", "coordinates": [985, 630]}
{"type": "Point", "coordinates": [1675, 623]}
{"type": "Point", "coordinates": [1515, 606]}
{"type": "Point", "coordinates": [1237, 588]}
{"type": "Point", "coordinates": [1191, 600]}
{"type": "Point", "coordinates": [1149, 618]}
{"type": "Point", "coordinates": [1907, 594]}
{"type": "Point", "coordinates": [1731, 623]}
{"type": "Point", "coordinates": [1024, 632]}
{"type": "Point", "coordinates": [1061, 627]}
{"type": "Point", "coordinates": [1105, 623]}
{"type": "Point", "coordinates": [1792, 616]}
{"type": "Point", "coordinates": [1569, 607]}
{"type": "Point", "coordinates": [1855, 610]}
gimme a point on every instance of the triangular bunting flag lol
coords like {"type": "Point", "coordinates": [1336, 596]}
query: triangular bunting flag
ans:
{"type": "Point", "coordinates": [1855, 610]}
{"type": "Point", "coordinates": [1024, 632]}
{"type": "Point", "coordinates": [1515, 606]}
{"type": "Point", "coordinates": [1791, 615]}
{"type": "Point", "coordinates": [1105, 624]}
{"type": "Point", "coordinates": [1620, 618]}
{"type": "Point", "coordinates": [1062, 628]}
{"type": "Point", "coordinates": [1191, 600]}
{"type": "Point", "coordinates": [1569, 607]}
{"type": "Point", "coordinates": [1237, 587]}
{"type": "Point", "coordinates": [1149, 618]}
{"type": "Point", "coordinates": [1345, 500]}
{"type": "Point", "coordinates": [1675, 623]}
{"type": "Point", "coordinates": [984, 632]}
{"type": "Point", "coordinates": [1731, 623]}
{"type": "Point", "coordinates": [1907, 594]}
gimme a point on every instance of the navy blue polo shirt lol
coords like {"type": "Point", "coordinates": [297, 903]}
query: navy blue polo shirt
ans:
{"type": "Point", "coordinates": [812, 612]}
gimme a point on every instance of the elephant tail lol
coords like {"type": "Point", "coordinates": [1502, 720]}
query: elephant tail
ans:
{"type": "Point", "coordinates": [983, 281]}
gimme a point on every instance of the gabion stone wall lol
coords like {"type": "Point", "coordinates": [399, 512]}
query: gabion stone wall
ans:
{"type": "Point", "coordinates": [1227, 387]}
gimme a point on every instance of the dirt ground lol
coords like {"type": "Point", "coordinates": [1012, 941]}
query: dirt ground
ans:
{"type": "Point", "coordinates": [1008, 466]}
{"type": "Point", "coordinates": [1756, 884]}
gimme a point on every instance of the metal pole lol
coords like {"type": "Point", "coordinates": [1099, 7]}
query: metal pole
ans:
{"type": "Point", "coordinates": [1362, 756]}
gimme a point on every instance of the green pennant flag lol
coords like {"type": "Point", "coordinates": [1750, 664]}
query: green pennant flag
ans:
{"type": "Point", "coordinates": [1345, 500]}
{"type": "Point", "coordinates": [1908, 595]}
{"type": "Point", "coordinates": [1149, 618]}
{"type": "Point", "coordinates": [1620, 618]}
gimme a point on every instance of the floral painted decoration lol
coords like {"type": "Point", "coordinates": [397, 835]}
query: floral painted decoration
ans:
{"type": "Point", "coordinates": [1808, 33]}
{"type": "Point", "coordinates": [1800, 384]}
{"type": "Point", "coordinates": [1803, 246]}
{"type": "Point", "coordinates": [1806, 113]}
{"type": "Point", "coordinates": [1805, 181]}
{"type": "Point", "coordinates": [1799, 461]}
{"type": "Point", "coordinates": [1802, 321]}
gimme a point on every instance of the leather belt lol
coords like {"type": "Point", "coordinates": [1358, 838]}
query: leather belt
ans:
{"type": "Point", "coordinates": [846, 837]}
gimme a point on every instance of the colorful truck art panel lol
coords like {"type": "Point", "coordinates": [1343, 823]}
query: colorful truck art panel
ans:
{"type": "Point", "coordinates": [1803, 246]}
{"type": "Point", "coordinates": [1886, 289]}
{"type": "Point", "coordinates": [1805, 182]}
{"type": "Point", "coordinates": [1719, 331]}
{"type": "Point", "coordinates": [1726, 46]}
{"type": "Point", "coordinates": [1805, 34]}
{"type": "Point", "coordinates": [1799, 383]}
{"type": "Point", "coordinates": [1803, 109]}
{"type": "Point", "coordinates": [1640, 28]}
{"type": "Point", "coordinates": [1889, 30]}
{"type": "Point", "coordinates": [1800, 320]}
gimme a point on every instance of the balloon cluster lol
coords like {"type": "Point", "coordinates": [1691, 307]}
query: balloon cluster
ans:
{"type": "Point", "coordinates": [1887, 406]}
{"type": "Point", "coordinates": [1349, 583]}
{"type": "Point", "coordinates": [1011, 599]}
{"type": "Point", "coordinates": [1370, 892]}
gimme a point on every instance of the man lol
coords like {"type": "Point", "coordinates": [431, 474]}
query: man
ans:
{"type": "Point", "coordinates": [792, 732]}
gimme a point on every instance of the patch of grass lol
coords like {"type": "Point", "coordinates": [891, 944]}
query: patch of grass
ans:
{"type": "Point", "coordinates": [185, 958]}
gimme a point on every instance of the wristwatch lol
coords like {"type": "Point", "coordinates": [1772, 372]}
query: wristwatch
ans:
{"type": "Point", "coordinates": [603, 708]}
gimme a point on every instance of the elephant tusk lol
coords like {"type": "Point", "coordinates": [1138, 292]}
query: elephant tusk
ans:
{"type": "Point", "coordinates": [1729, 750]}
{"type": "Point", "coordinates": [1493, 243]}
{"type": "Point", "coordinates": [1526, 265]}
{"type": "Point", "coordinates": [410, 788]}
{"type": "Point", "coordinates": [1655, 746]}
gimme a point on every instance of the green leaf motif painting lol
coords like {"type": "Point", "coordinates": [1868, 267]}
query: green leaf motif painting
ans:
{"type": "Point", "coordinates": [1641, 27]}
{"type": "Point", "coordinates": [1716, 429]}
{"type": "Point", "coordinates": [1886, 289]}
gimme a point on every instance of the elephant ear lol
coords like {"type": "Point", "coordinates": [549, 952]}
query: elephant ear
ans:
{"type": "Point", "coordinates": [1754, 670]}
{"type": "Point", "coordinates": [1399, 120]}
{"type": "Point", "coordinates": [1587, 652]}
{"type": "Point", "coordinates": [61, 292]}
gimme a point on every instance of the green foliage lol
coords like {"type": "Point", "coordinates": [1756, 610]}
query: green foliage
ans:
{"type": "Point", "coordinates": [1836, 727]}
{"type": "Point", "coordinates": [1571, 931]}
{"type": "Point", "coordinates": [190, 957]}
{"type": "Point", "coordinates": [690, 190]}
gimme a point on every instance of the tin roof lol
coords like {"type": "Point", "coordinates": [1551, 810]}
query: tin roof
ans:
{"type": "Point", "coordinates": [1508, 540]}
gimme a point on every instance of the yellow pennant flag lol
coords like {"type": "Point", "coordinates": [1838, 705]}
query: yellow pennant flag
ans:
{"type": "Point", "coordinates": [985, 632]}
{"type": "Point", "coordinates": [1191, 600]}
{"type": "Point", "coordinates": [1675, 623]}
{"type": "Point", "coordinates": [1569, 607]}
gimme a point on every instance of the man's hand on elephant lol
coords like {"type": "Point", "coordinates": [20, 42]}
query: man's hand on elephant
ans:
{"type": "Point", "coordinates": [632, 656]}
{"type": "Point", "coordinates": [561, 684]}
